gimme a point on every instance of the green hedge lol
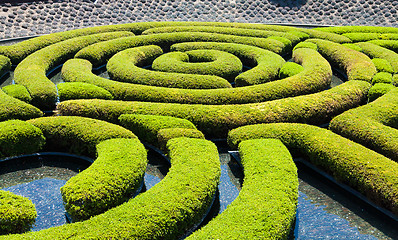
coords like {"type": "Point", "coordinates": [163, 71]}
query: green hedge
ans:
{"type": "Point", "coordinates": [290, 69]}
{"type": "Point", "coordinates": [378, 90]}
{"type": "Point", "coordinates": [126, 65]}
{"type": "Point", "coordinates": [395, 80]}
{"type": "Point", "coordinates": [353, 46]}
{"type": "Point", "coordinates": [205, 62]}
{"type": "Point", "coordinates": [382, 65]}
{"type": "Point", "coordinates": [266, 205]}
{"type": "Point", "coordinates": [165, 134]}
{"type": "Point", "coordinates": [217, 120]}
{"type": "Point", "coordinates": [100, 52]}
{"type": "Point", "coordinates": [265, 64]}
{"type": "Point", "coordinates": [375, 51]}
{"type": "Point", "coordinates": [146, 127]}
{"type": "Point", "coordinates": [358, 29]}
{"type": "Point", "coordinates": [77, 135]}
{"type": "Point", "coordinates": [292, 36]}
{"type": "Point", "coordinates": [315, 77]}
{"type": "Point", "coordinates": [370, 173]}
{"type": "Point", "coordinates": [18, 137]}
{"type": "Point", "coordinates": [389, 44]}
{"type": "Point", "coordinates": [306, 45]}
{"type": "Point", "coordinates": [31, 72]}
{"type": "Point", "coordinates": [373, 125]}
{"type": "Point", "coordinates": [17, 213]}
{"type": "Point", "coordinates": [12, 108]}
{"type": "Point", "coordinates": [5, 65]}
{"type": "Point", "coordinates": [81, 90]}
{"type": "Point", "coordinates": [19, 51]}
{"type": "Point", "coordinates": [166, 211]}
{"type": "Point", "coordinates": [114, 177]}
{"type": "Point", "coordinates": [17, 91]}
{"type": "Point", "coordinates": [357, 65]}
{"type": "Point", "coordinates": [382, 77]}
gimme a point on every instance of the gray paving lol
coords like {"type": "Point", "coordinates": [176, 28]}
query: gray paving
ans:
{"type": "Point", "coordinates": [28, 17]}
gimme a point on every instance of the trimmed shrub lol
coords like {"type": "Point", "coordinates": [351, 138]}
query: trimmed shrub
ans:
{"type": "Point", "coordinates": [357, 65]}
{"type": "Point", "coordinates": [77, 135]}
{"type": "Point", "coordinates": [165, 134]}
{"type": "Point", "coordinates": [363, 37]}
{"type": "Point", "coordinates": [265, 64]}
{"type": "Point", "coordinates": [217, 120]}
{"type": "Point", "coordinates": [124, 66]}
{"type": "Point", "coordinates": [81, 90]}
{"type": "Point", "coordinates": [353, 46]}
{"type": "Point", "coordinates": [5, 65]}
{"type": "Point", "coordinates": [290, 69]}
{"type": "Point", "coordinates": [266, 205]}
{"type": "Point", "coordinates": [12, 108]}
{"type": "Point", "coordinates": [146, 127]}
{"type": "Point", "coordinates": [382, 65]}
{"type": "Point", "coordinates": [315, 77]}
{"type": "Point", "coordinates": [382, 77]}
{"type": "Point", "coordinates": [166, 211]}
{"type": "Point", "coordinates": [114, 177]}
{"type": "Point", "coordinates": [306, 45]}
{"type": "Point", "coordinates": [375, 51]}
{"type": "Point", "coordinates": [378, 90]}
{"type": "Point", "coordinates": [21, 50]}
{"type": "Point", "coordinates": [98, 53]}
{"type": "Point", "coordinates": [17, 213]}
{"type": "Point", "coordinates": [373, 125]}
{"type": "Point", "coordinates": [31, 72]}
{"type": "Point", "coordinates": [293, 37]}
{"type": "Point", "coordinates": [18, 137]}
{"type": "Point", "coordinates": [17, 91]}
{"type": "Point", "coordinates": [395, 80]}
{"type": "Point", "coordinates": [358, 29]}
{"type": "Point", "coordinates": [389, 44]}
{"type": "Point", "coordinates": [205, 62]}
{"type": "Point", "coordinates": [370, 173]}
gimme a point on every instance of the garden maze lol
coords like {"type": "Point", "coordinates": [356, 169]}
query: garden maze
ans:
{"type": "Point", "coordinates": [267, 89]}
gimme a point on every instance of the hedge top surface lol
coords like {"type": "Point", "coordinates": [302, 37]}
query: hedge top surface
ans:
{"type": "Point", "coordinates": [371, 173]}
{"type": "Point", "coordinates": [266, 205]}
{"type": "Point", "coordinates": [77, 135]}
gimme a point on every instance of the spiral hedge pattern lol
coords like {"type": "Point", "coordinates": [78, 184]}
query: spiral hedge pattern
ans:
{"type": "Point", "coordinates": [173, 84]}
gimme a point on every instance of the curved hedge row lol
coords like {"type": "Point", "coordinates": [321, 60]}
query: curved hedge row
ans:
{"type": "Point", "coordinates": [5, 65]}
{"type": "Point", "coordinates": [357, 65]}
{"type": "Point", "coordinates": [266, 205]}
{"type": "Point", "coordinates": [80, 90]}
{"type": "Point", "coordinates": [217, 120]}
{"type": "Point", "coordinates": [146, 127]}
{"type": "Point", "coordinates": [18, 137]}
{"type": "Point", "coordinates": [205, 62]}
{"type": "Point", "coordinates": [77, 135]}
{"type": "Point", "coordinates": [315, 77]}
{"type": "Point", "coordinates": [373, 125]}
{"type": "Point", "coordinates": [19, 51]}
{"type": "Point", "coordinates": [363, 169]}
{"type": "Point", "coordinates": [126, 66]}
{"type": "Point", "coordinates": [17, 91]}
{"type": "Point", "coordinates": [375, 51]}
{"type": "Point", "coordinates": [12, 108]}
{"type": "Point", "coordinates": [165, 134]}
{"type": "Point", "coordinates": [106, 183]}
{"type": "Point", "coordinates": [166, 211]}
{"type": "Point", "coordinates": [100, 52]}
{"type": "Point", "coordinates": [31, 72]}
{"type": "Point", "coordinates": [17, 213]}
{"type": "Point", "coordinates": [115, 176]}
{"type": "Point", "coordinates": [389, 44]}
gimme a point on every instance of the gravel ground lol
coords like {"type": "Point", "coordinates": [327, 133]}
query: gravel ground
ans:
{"type": "Point", "coordinates": [19, 18]}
